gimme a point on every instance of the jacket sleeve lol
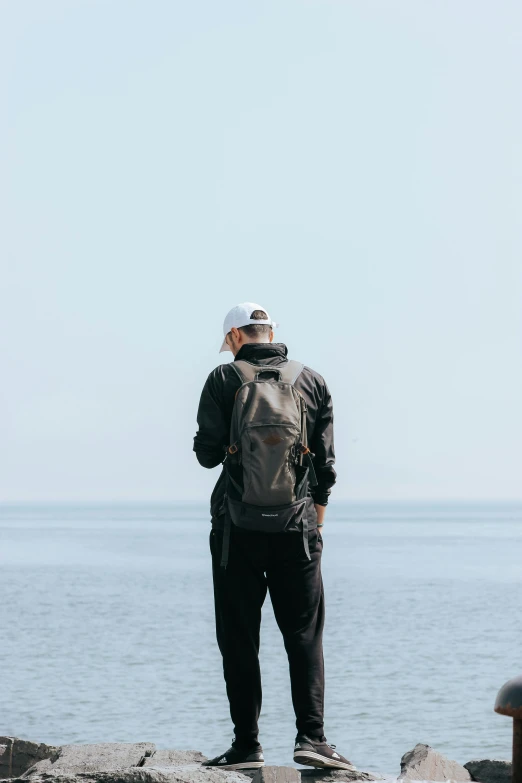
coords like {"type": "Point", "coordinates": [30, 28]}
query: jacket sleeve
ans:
{"type": "Point", "coordinates": [322, 445]}
{"type": "Point", "coordinates": [212, 435]}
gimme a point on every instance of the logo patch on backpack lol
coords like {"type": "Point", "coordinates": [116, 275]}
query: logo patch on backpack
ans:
{"type": "Point", "coordinates": [272, 440]}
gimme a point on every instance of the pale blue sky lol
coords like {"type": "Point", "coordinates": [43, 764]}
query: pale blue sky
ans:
{"type": "Point", "coordinates": [356, 167]}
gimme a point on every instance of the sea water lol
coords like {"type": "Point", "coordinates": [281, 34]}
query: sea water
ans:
{"type": "Point", "coordinates": [107, 630]}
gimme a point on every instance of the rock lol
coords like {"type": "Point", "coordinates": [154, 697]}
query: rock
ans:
{"type": "Point", "coordinates": [424, 763]}
{"type": "Point", "coordinates": [184, 766]}
{"type": "Point", "coordinates": [141, 762]}
{"type": "Point", "coordinates": [99, 757]}
{"type": "Point", "coordinates": [121, 762]}
{"type": "Point", "coordinates": [6, 755]}
{"type": "Point", "coordinates": [173, 758]}
{"type": "Point", "coordinates": [269, 774]}
{"type": "Point", "coordinates": [335, 775]}
{"type": "Point", "coordinates": [17, 755]}
{"type": "Point", "coordinates": [490, 771]}
{"type": "Point", "coordinates": [195, 773]}
{"type": "Point", "coordinates": [129, 775]}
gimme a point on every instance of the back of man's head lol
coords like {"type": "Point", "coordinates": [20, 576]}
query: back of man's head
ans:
{"type": "Point", "coordinates": [256, 332]}
{"type": "Point", "coordinates": [247, 322]}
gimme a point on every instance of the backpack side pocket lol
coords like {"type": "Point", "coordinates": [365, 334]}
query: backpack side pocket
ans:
{"type": "Point", "coordinates": [301, 483]}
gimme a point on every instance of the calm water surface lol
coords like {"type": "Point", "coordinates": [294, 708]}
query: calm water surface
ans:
{"type": "Point", "coordinates": [108, 630]}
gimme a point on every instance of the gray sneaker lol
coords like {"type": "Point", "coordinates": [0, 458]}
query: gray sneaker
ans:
{"type": "Point", "coordinates": [318, 753]}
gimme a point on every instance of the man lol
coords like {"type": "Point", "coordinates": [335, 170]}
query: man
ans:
{"type": "Point", "coordinates": [259, 561]}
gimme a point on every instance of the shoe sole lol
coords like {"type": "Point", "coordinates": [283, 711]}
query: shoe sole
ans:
{"type": "Point", "coordinates": [241, 765]}
{"type": "Point", "coordinates": [311, 759]}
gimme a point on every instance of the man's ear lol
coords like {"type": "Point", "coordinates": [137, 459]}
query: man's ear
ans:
{"type": "Point", "coordinates": [236, 334]}
{"type": "Point", "coordinates": [271, 335]}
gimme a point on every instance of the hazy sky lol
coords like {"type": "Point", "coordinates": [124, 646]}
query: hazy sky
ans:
{"type": "Point", "coordinates": [356, 167]}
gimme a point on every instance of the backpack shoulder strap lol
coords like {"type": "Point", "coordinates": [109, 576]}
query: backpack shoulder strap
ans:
{"type": "Point", "coordinates": [246, 371]}
{"type": "Point", "coordinates": [291, 371]}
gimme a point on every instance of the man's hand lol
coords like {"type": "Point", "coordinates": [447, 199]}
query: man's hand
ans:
{"type": "Point", "coordinates": [321, 511]}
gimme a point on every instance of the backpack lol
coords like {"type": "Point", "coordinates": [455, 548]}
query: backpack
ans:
{"type": "Point", "coordinates": [268, 465]}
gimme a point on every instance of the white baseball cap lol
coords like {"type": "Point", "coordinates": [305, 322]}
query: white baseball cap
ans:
{"type": "Point", "coordinates": [240, 315]}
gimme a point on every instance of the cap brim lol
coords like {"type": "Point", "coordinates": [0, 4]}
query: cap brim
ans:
{"type": "Point", "coordinates": [225, 346]}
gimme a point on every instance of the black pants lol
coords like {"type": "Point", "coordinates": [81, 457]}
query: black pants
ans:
{"type": "Point", "coordinates": [276, 561]}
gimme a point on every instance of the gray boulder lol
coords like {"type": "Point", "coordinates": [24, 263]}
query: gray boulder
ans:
{"type": "Point", "coordinates": [195, 773]}
{"type": "Point", "coordinates": [187, 774]}
{"type": "Point", "coordinates": [268, 774]}
{"type": "Point", "coordinates": [335, 775]}
{"type": "Point", "coordinates": [141, 762]}
{"type": "Point", "coordinates": [424, 763]}
{"type": "Point", "coordinates": [6, 756]}
{"type": "Point", "coordinates": [184, 766]}
{"type": "Point", "coordinates": [129, 775]}
{"type": "Point", "coordinates": [490, 771]}
{"type": "Point", "coordinates": [98, 757]}
{"type": "Point", "coordinates": [173, 758]}
{"type": "Point", "coordinates": [17, 755]}
{"type": "Point", "coordinates": [115, 762]}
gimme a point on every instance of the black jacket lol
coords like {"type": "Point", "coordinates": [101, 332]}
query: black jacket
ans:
{"type": "Point", "coordinates": [215, 412]}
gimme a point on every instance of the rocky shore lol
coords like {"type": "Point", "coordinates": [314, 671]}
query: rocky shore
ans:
{"type": "Point", "coordinates": [22, 761]}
